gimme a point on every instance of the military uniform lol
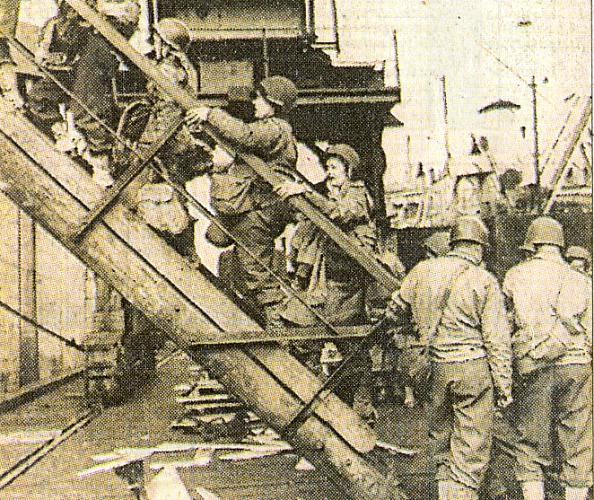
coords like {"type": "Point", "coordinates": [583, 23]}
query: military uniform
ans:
{"type": "Point", "coordinates": [552, 312]}
{"type": "Point", "coordinates": [9, 15]}
{"type": "Point", "coordinates": [180, 157]}
{"type": "Point", "coordinates": [62, 38]}
{"type": "Point", "coordinates": [266, 215]}
{"type": "Point", "coordinates": [470, 355]}
{"type": "Point", "coordinates": [335, 284]}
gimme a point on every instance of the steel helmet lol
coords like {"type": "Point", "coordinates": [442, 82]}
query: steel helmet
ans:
{"type": "Point", "coordinates": [545, 231]}
{"type": "Point", "coordinates": [280, 91]}
{"type": "Point", "coordinates": [346, 153]}
{"type": "Point", "coordinates": [576, 252]}
{"type": "Point", "coordinates": [174, 32]}
{"type": "Point", "coordinates": [438, 243]}
{"type": "Point", "coordinates": [470, 228]}
{"type": "Point", "coordinates": [527, 247]}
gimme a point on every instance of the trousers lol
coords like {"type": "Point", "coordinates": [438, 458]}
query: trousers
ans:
{"type": "Point", "coordinates": [554, 404]}
{"type": "Point", "coordinates": [256, 232]}
{"type": "Point", "coordinates": [460, 416]}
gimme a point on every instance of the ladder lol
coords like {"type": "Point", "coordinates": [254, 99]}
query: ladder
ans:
{"type": "Point", "coordinates": [59, 194]}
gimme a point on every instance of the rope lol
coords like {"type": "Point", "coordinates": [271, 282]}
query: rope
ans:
{"type": "Point", "coordinates": [69, 342]}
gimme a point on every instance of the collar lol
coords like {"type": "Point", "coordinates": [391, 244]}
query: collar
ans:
{"type": "Point", "coordinates": [466, 256]}
{"type": "Point", "coordinates": [548, 255]}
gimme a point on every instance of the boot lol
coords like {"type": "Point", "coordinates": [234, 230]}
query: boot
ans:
{"type": "Point", "coordinates": [576, 493]}
{"type": "Point", "coordinates": [101, 168]}
{"type": "Point", "coordinates": [533, 490]}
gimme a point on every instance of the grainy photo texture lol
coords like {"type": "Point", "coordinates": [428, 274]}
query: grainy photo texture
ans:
{"type": "Point", "coordinates": [295, 250]}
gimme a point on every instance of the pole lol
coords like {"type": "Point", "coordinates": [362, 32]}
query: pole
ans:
{"type": "Point", "coordinates": [446, 137]}
{"type": "Point", "coordinates": [28, 336]}
{"type": "Point", "coordinates": [535, 130]}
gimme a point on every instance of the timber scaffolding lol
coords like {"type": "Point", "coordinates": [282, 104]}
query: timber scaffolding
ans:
{"type": "Point", "coordinates": [104, 232]}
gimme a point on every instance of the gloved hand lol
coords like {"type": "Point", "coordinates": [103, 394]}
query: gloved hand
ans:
{"type": "Point", "coordinates": [197, 115]}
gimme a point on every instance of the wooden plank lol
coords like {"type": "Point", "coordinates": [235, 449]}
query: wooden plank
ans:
{"type": "Point", "coordinates": [286, 334]}
{"type": "Point", "coordinates": [158, 281]}
{"type": "Point", "coordinates": [28, 335]}
{"type": "Point", "coordinates": [365, 258]}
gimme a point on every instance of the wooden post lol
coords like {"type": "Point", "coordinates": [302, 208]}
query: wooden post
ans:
{"type": "Point", "coordinates": [28, 339]}
{"type": "Point", "coordinates": [559, 163]}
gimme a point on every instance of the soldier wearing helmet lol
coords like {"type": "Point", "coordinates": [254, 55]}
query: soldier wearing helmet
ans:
{"type": "Point", "coordinates": [271, 138]}
{"type": "Point", "coordinates": [437, 245]}
{"type": "Point", "coordinates": [579, 259]}
{"type": "Point", "coordinates": [461, 325]}
{"type": "Point", "coordinates": [552, 343]}
{"type": "Point", "coordinates": [159, 204]}
{"type": "Point", "coordinates": [9, 14]}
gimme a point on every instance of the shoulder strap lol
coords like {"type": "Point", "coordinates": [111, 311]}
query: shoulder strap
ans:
{"type": "Point", "coordinates": [444, 298]}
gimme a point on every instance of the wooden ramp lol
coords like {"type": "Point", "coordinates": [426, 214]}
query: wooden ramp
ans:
{"type": "Point", "coordinates": [58, 193]}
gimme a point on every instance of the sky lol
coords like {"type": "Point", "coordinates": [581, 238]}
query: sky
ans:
{"type": "Point", "coordinates": [486, 50]}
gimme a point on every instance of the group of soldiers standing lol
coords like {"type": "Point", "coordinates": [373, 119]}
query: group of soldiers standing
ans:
{"type": "Point", "coordinates": [515, 358]}
{"type": "Point", "coordinates": [517, 355]}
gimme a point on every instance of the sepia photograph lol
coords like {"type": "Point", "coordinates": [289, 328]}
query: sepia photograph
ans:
{"type": "Point", "coordinates": [296, 250]}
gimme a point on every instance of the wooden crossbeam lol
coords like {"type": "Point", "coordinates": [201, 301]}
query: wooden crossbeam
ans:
{"type": "Point", "coordinates": [286, 334]}
{"type": "Point", "coordinates": [125, 179]}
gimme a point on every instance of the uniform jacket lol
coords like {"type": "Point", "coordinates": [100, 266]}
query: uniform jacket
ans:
{"type": "Point", "coordinates": [8, 22]}
{"type": "Point", "coordinates": [550, 298]}
{"type": "Point", "coordinates": [348, 207]}
{"type": "Point", "coordinates": [239, 189]}
{"type": "Point", "coordinates": [474, 323]}
{"type": "Point", "coordinates": [271, 138]}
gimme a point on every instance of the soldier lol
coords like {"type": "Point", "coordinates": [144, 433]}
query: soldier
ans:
{"type": "Point", "coordinates": [437, 245]}
{"type": "Point", "coordinates": [458, 310]}
{"type": "Point", "coordinates": [9, 15]}
{"type": "Point", "coordinates": [84, 61]}
{"type": "Point", "coordinates": [334, 283]}
{"type": "Point", "coordinates": [271, 138]}
{"type": "Point", "coordinates": [159, 204]}
{"type": "Point", "coordinates": [552, 346]}
{"type": "Point", "coordinates": [579, 259]}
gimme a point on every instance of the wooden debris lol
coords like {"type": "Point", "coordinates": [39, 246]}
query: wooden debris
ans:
{"type": "Point", "coordinates": [206, 494]}
{"type": "Point", "coordinates": [200, 407]}
{"type": "Point", "coordinates": [304, 465]}
{"type": "Point", "coordinates": [107, 466]}
{"type": "Point", "coordinates": [397, 450]}
{"type": "Point", "coordinates": [167, 485]}
{"type": "Point", "coordinates": [249, 454]}
{"type": "Point", "coordinates": [29, 437]}
{"type": "Point", "coordinates": [201, 459]}
{"type": "Point", "coordinates": [202, 398]}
